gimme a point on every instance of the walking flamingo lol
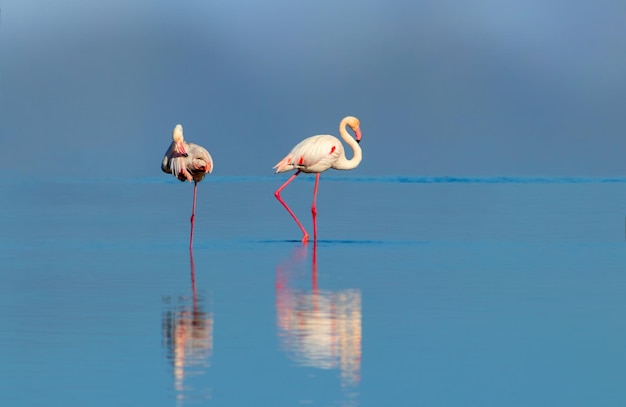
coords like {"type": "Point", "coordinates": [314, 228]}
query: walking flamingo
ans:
{"type": "Point", "coordinates": [187, 162]}
{"type": "Point", "coordinates": [316, 154]}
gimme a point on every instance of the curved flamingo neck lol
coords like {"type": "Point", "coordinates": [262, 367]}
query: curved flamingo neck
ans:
{"type": "Point", "coordinates": [343, 163]}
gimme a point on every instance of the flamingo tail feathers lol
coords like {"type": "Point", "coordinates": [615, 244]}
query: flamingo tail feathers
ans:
{"type": "Point", "coordinates": [284, 165]}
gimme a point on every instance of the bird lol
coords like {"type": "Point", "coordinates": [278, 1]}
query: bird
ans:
{"type": "Point", "coordinates": [316, 154]}
{"type": "Point", "coordinates": [187, 162]}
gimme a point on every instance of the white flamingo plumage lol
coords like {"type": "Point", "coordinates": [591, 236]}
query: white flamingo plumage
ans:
{"type": "Point", "coordinates": [187, 162]}
{"type": "Point", "coordinates": [315, 155]}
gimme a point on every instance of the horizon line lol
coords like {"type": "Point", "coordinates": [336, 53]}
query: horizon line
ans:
{"type": "Point", "coordinates": [388, 179]}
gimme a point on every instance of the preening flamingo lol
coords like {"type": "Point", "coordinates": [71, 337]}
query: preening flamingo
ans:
{"type": "Point", "coordinates": [187, 162]}
{"type": "Point", "coordinates": [316, 154]}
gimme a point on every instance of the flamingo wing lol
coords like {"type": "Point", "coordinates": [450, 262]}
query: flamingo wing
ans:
{"type": "Point", "coordinates": [195, 166]}
{"type": "Point", "coordinates": [199, 159]}
{"type": "Point", "coordinates": [178, 167]}
{"type": "Point", "coordinates": [165, 164]}
{"type": "Point", "coordinates": [175, 164]}
{"type": "Point", "coordinates": [313, 154]}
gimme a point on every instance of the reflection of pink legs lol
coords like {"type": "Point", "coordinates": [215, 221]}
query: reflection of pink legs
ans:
{"type": "Point", "coordinates": [316, 293]}
{"type": "Point", "coordinates": [193, 281]}
{"type": "Point", "coordinates": [305, 238]}
{"type": "Point", "coordinates": [314, 207]}
{"type": "Point", "coordinates": [314, 268]}
{"type": "Point", "coordinates": [193, 213]}
{"type": "Point", "coordinates": [285, 270]}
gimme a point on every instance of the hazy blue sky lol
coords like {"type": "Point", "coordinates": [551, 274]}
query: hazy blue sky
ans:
{"type": "Point", "coordinates": [528, 87]}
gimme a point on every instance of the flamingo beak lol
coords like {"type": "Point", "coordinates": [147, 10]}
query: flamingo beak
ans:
{"type": "Point", "coordinates": [180, 148]}
{"type": "Point", "coordinates": [357, 131]}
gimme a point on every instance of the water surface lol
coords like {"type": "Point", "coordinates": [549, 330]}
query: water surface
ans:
{"type": "Point", "coordinates": [420, 291]}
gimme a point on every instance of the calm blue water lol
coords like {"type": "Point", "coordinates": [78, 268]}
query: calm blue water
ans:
{"type": "Point", "coordinates": [421, 291]}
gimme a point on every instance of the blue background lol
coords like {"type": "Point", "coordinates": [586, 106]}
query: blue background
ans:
{"type": "Point", "coordinates": [530, 87]}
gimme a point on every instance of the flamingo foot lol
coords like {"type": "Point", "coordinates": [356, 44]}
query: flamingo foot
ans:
{"type": "Point", "coordinates": [305, 238]}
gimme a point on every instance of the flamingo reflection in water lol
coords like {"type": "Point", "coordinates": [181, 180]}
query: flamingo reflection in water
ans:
{"type": "Point", "coordinates": [188, 339]}
{"type": "Point", "coordinates": [319, 328]}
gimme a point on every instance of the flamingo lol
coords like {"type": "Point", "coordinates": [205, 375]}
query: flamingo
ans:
{"type": "Point", "coordinates": [316, 154]}
{"type": "Point", "coordinates": [187, 162]}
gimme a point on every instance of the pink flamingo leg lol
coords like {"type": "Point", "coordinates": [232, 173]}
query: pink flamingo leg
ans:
{"type": "Point", "coordinates": [193, 213]}
{"type": "Point", "coordinates": [305, 238]}
{"type": "Point", "coordinates": [314, 207]}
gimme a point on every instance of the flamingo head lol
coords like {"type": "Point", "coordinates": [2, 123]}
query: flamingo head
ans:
{"type": "Point", "coordinates": [355, 124]}
{"type": "Point", "coordinates": [179, 141]}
